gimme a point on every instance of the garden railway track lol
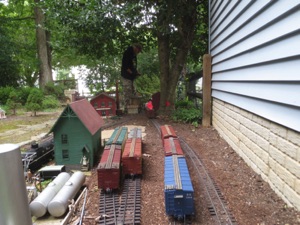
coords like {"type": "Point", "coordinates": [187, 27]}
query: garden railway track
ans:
{"type": "Point", "coordinates": [215, 202]}
{"type": "Point", "coordinates": [128, 210]}
{"type": "Point", "coordinates": [123, 209]}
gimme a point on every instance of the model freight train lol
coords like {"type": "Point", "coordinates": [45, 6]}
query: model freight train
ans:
{"type": "Point", "coordinates": [38, 154]}
{"type": "Point", "coordinates": [122, 156]}
{"type": "Point", "coordinates": [179, 192]}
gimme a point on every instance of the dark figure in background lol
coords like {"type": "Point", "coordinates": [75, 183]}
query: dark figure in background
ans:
{"type": "Point", "coordinates": [129, 72]}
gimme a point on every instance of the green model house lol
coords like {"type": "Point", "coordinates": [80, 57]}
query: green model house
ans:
{"type": "Point", "coordinates": [77, 136]}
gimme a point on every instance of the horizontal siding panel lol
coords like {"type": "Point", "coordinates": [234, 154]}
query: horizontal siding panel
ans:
{"type": "Point", "coordinates": [287, 47]}
{"type": "Point", "coordinates": [282, 114]}
{"type": "Point", "coordinates": [215, 6]}
{"type": "Point", "coordinates": [254, 22]}
{"type": "Point", "coordinates": [224, 25]}
{"type": "Point", "coordinates": [288, 27]}
{"type": "Point", "coordinates": [239, 23]}
{"type": "Point", "coordinates": [287, 70]}
{"type": "Point", "coordinates": [275, 92]}
{"type": "Point", "coordinates": [219, 14]}
{"type": "Point", "coordinates": [256, 57]}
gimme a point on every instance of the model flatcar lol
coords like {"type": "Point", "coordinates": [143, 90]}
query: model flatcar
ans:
{"type": "Point", "coordinates": [132, 155]}
{"type": "Point", "coordinates": [167, 131]}
{"type": "Point", "coordinates": [172, 146]}
{"type": "Point", "coordinates": [108, 169]}
{"type": "Point", "coordinates": [179, 192]}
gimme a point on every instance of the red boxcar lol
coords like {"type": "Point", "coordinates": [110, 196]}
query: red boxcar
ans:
{"type": "Point", "coordinates": [109, 168]}
{"type": "Point", "coordinates": [167, 131]}
{"type": "Point", "coordinates": [172, 146]}
{"type": "Point", "coordinates": [132, 157]}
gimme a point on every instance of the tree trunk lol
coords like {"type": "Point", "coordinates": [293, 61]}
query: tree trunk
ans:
{"type": "Point", "coordinates": [172, 58]}
{"type": "Point", "coordinates": [43, 47]}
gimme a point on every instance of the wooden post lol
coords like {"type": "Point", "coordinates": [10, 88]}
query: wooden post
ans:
{"type": "Point", "coordinates": [206, 90]}
{"type": "Point", "coordinates": [117, 95]}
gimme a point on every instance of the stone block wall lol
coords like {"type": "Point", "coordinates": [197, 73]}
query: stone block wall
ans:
{"type": "Point", "coordinates": [271, 150]}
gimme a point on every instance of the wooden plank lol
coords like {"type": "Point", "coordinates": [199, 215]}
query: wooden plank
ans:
{"type": "Point", "coordinates": [206, 87]}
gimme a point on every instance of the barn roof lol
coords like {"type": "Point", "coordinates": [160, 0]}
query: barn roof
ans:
{"type": "Point", "coordinates": [86, 114]}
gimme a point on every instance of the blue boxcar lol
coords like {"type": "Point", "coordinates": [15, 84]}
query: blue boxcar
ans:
{"type": "Point", "coordinates": [179, 192]}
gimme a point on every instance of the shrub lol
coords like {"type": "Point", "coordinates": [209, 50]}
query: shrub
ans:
{"type": "Point", "coordinates": [50, 102]}
{"type": "Point", "coordinates": [35, 100]}
{"type": "Point", "coordinates": [23, 94]}
{"type": "Point", "coordinates": [55, 90]}
{"type": "Point", "coordinates": [4, 94]}
{"type": "Point", "coordinates": [186, 112]}
{"type": "Point", "coordinates": [13, 102]}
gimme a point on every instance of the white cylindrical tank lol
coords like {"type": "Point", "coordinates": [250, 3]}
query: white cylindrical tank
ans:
{"type": "Point", "coordinates": [14, 208]}
{"type": "Point", "coordinates": [38, 206]}
{"type": "Point", "coordinates": [59, 204]}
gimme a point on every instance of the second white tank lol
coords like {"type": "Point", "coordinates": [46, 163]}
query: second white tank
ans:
{"type": "Point", "coordinates": [59, 204]}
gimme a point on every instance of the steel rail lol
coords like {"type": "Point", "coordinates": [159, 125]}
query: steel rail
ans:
{"type": "Point", "coordinates": [108, 208]}
{"type": "Point", "coordinates": [215, 201]}
{"type": "Point", "coordinates": [216, 205]}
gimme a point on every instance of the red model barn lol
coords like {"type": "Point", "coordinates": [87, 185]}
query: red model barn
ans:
{"type": "Point", "coordinates": [104, 104]}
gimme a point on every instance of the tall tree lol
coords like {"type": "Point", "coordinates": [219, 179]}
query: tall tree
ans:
{"type": "Point", "coordinates": [43, 46]}
{"type": "Point", "coordinates": [176, 28]}
{"type": "Point", "coordinates": [101, 28]}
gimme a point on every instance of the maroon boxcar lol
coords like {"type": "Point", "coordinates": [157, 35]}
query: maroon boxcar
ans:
{"type": "Point", "coordinates": [167, 131]}
{"type": "Point", "coordinates": [172, 146]}
{"type": "Point", "coordinates": [132, 157]}
{"type": "Point", "coordinates": [109, 168]}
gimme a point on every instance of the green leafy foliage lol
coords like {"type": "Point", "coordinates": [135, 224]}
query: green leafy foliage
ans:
{"type": "Point", "coordinates": [35, 100]}
{"type": "Point", "coordinates": [13, 101]}
{"type": "Point", "coordinates": [50, 102]}
{"type": "Point", "coordinates": [23, 94]}
{"type": "Point", "coordinates": [56, 90]}
{"type": "Point", "coordinates": [4, 94]}
{"type": "Point", "coordinates": [9, 66]}
{"type": "Point", "coordinates": [186, 112]}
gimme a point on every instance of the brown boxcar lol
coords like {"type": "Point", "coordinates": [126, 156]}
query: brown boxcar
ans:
{"type": "Point", "coordinates": [172, 146]}
{"type": "Point", "coordinates": [108, 169]}
{"type": "Point", "coordinates": [167, 131]}
{"type": "Point", "coordinates": [132, 157]}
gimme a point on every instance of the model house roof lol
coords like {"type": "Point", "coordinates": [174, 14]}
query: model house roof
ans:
{"type": "Point", "coordinates": [103, 94]}
{"type": "Point", "coordinates": [86, 114]}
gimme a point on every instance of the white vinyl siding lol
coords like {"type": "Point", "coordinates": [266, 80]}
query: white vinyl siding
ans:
{"type": "Point", "coordinates": [255, 48]}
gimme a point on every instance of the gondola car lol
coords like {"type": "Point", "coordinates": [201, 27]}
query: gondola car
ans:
{"type": "Point", "coordinates": [179, 192]}
{"type": "Point", "coordinates": [167, 131]}
{"type": "Point", "coordinates": [118, 137]}
{"type": "Point", "coordinates": [172, 146]}
{"type": "Point", "coordinates": [109, 167]}
{"type": "Point", "coordinates": [132, 155]}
